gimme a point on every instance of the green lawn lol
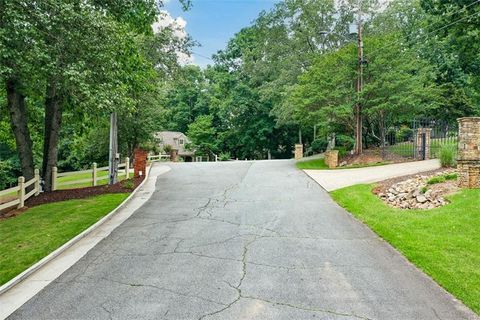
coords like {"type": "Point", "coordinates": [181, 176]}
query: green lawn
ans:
{"type": "Point", "coordinates": [312, 164]}
{"type": "Point", "coordinates": [86, 175]}
{"type": "Point", "coordinates": [405, 149]}
{"type": "Point", "coordinates": [443, 242]}
{"type": "Point", "coordinates": [319, 164]}
{"type": "Point", "coordinates": [29, 237]}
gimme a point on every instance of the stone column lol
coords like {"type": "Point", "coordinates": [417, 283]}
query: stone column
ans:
{"type": "Point", "coordinates": [139, 163]}
{"type": "Point", "coordinates": [428, 136]}
{"type": "Point", "coordinates": [331, 158]}
{"type": "Point", "coordinates": [468, 160]}
{"type": "Point", "coordinates": [298, 151]}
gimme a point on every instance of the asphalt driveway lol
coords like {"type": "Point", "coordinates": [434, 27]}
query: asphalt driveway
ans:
{"type": "Point", "coordinates": [242, 240]}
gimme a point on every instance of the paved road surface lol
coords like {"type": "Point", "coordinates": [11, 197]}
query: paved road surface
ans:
{"type": "Point", "coordinates": [339, 178]}
{"type": "Point", "coordinates": [241, 240]}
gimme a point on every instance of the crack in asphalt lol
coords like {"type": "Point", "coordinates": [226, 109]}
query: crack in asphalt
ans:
{"type": "Point", "coordinates": [162, 289]}
{"type": "Point", "coordinates": [337, 313]}
{"type": "Point", "coordinates": [204, 213]}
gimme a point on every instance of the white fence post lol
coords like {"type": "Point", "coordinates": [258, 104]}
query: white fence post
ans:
{"type": "Point", "coordinates": [127, 168]}
{"type": "Point", "coordinates": [54, 178]}
{"type": "Point", "coordinates": [21, 192]}
{"type": "Point", "coordinates": [37, 182]}
{"type": "Point", "coordinates": [94, 174]}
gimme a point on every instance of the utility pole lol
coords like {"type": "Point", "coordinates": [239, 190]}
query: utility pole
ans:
{"type": "Point", "coordinates": [358, 106]}
{"type": "Point", "coordinates": [113, 150]}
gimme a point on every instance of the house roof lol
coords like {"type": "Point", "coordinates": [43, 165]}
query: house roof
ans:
{"type": "Point", "coordinates": [173, 138]}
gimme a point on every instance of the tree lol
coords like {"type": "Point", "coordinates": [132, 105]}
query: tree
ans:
{"type": "Point", "coordinates": [202, 134]}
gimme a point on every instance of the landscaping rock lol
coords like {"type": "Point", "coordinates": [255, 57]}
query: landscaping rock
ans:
{"type": "Point", "coordinates": [411, 194]}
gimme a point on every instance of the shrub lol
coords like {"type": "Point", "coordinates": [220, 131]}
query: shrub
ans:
{"type": "Point", "coordinates": [435, 180]}
{"type": "Point", "coordinates": [128, 184]}
{"type": "Point", "coordinates": [451, 176]}
{"type": "Point", "coordinates": [167, 149]}
{"type": "Point", "coordinates": [404, 134]}
{"type": "Point", "coordinates": [224, 156]}
{"type": "Point", "coordinates": [344, 142]}
{"type": "Point", "coordinates": [447, 156]}
{"type": "Point", "coordinates": [319, 145]}
{"type": "Point", "coordinates": [443, 178]}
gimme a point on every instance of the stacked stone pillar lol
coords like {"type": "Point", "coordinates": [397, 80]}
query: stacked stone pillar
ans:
{"type": "Point", "coordinates": [331, 158]}
{"type": "Point", "coordinates": [468, 160]}
{"type": "Point", "coordinates": [140, 163]}
{"type": "Point", "coordinates": [298, 151]}
{"type": "Point", "coordinates": [419, 151]}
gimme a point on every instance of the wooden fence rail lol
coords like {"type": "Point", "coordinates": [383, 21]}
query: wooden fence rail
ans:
{"type": "Point", "coordinates": [23, 191]}
{"type": "Point", "coordinates": [158, 157]}
{"type": "Point", "coordinates": [94, 175]}
{"type": "Point", "coordinates": [20, 191]}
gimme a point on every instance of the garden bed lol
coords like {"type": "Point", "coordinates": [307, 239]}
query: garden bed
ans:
{"type": "Point", "coordinates": [421, 191]}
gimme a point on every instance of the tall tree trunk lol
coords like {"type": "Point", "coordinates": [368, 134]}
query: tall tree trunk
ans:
{"type": "Point", "coordinates": [19, 122]}
{"type": "Point", "coordinates": [53, 121]}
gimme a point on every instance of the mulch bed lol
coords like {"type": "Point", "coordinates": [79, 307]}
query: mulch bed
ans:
{"type": "Point", "coordinates": [70, 194]}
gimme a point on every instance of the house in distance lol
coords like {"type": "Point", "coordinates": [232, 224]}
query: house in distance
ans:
{"type": "Point", "coordinates": [174, 143]}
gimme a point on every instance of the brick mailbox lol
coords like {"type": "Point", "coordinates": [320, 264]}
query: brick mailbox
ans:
{"type": "Point", "coordinates": [468, 160]}
{"type": "Point", "coordinates": [140, 163]}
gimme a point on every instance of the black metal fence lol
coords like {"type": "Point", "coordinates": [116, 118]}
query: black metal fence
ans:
{"type": "Point", "coordinates": [422, 139]}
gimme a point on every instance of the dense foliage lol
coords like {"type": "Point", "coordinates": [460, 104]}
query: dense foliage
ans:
{"type": "Point", "coordinates": [289, 77]}
{"type": "Point", "coordinates": [65, 66]}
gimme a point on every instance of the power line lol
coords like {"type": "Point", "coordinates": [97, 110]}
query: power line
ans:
{"type": "Point", "coordinates": [203, 56]}
{"type": "Point", "coordinates": [433, 31]}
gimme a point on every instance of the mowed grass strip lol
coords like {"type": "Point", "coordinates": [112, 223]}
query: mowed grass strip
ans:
{"type": "Point", "coordinates": [27, 238]}
{"type": "Point", "coordinates": [443, 242]}
{"type": "Point", "coordinates": [319, 164]}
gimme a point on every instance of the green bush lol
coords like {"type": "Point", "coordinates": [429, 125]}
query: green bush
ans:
{"type": "Point", "coordinates": [435, 180]}
{"type": "Point", "coordinates": [224, 156]}
{"type": "Point", "coordinates": [8, 174]}
{"type": "Point", "coordinates": [344, 142]}
{"type": "Point", "coordinates": [442, 178]}
{"type": "Point", "coordinates": [319, 145]}
{"type": "Point", "coordinates": [403, 134]}
{"type": "Point", "coordinates": [451, 176]}
{"type": "Point", "coordinates": [447, 156]}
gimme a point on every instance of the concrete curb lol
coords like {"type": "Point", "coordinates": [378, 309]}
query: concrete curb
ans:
{"type": "Point", "coordinates": [22, 276]}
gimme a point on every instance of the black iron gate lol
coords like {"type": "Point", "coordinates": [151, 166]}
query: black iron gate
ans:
{"type": "Point", "coordinates": [422, 139]}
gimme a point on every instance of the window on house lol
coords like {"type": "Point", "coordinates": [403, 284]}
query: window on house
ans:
{"type": "Point", "coordinates": [181, 141]}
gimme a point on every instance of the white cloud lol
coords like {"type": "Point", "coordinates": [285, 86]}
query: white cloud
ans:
{"type": "Point", "coordinates": [165, 20]}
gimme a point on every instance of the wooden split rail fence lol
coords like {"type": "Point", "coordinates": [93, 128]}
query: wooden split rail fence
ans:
{"type": "Point", "coordinates": [95, 175]}
{"type": "Point", "coordinates": [159, 157]}
{"type": "Point", "coordinates": [19, 194]}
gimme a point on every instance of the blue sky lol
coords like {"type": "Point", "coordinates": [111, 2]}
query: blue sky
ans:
{"type": "Point", "coordinates": [214, 22]}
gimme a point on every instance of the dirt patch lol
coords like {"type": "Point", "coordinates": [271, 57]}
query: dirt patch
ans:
{"type": "Point", "coordinates": [124, 186]}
